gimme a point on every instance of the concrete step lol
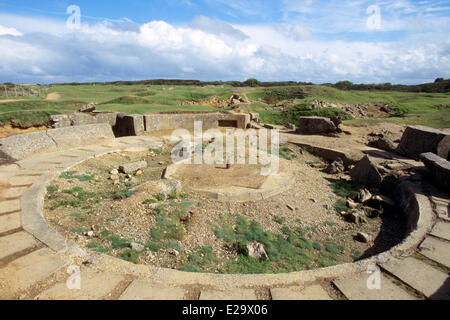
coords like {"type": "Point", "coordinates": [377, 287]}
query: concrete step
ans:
{"type": "Point", "coordinates": [145, 290]}
{"type": "Point", "coordinates": [15, 243]}
{"type": "Point", "coordinates": [19, 275]}
{"type": "Point", "coordinates": [234, 294]}
{"type": "Point", "coordinates": [9, 206]}
{"type": "Point", "coordinates": [441, 230]}
{"type": "Point", "coordinates": [10, 222]}
{"type": "Point", "coordinates": [433, 283]}
{"type": "Point", "coordinates": [314, 292]}
{"type": "Point", "coordinates": [437, 250]}
{"type": "Point", "coordinates": [93, 286]}
{"type": "Point", "coordinates": [356, 288]}
{"type": "Point", "coordinates": [13, 192]}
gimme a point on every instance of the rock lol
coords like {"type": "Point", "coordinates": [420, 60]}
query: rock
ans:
{"type": "Point", "coordinates": [114, 172]}
{"type": "Point", "coordinates": [355, 217]}
{"type": "Point", "coordinates": [139, 173]}
{"type": "Point", "coordinates": [257, 251]}
{"type": "Point", "coordinates": [383, 144]}
{"type": "Point", "coordinates": [173, 252]}
{"type": "Point", "coordinates": [420, 139]}
{"type": "Point", "coordinates": [290, 126]}
{"type": "Point", "coordinates": [90, 107]}
{"type": "Point", "coordinates": [363, 237]}
{"type": "Point", "coordinates": [164, 187]}
{"type": "Point", "coordinates": [364, 195]}
{"type": "Point", "coordinates": [316, 125]}
{"type": "Point", "coordinates": [351, 204]}
{"type": "Point", "coordinates": [269, 126]}
{"type": "Point", "coordinates": [366, 173]}
{"type": "Point", "coordinates": [372, 212]}
{"type": "Point", "coordinates": [337, 121]}
{"type": "Point", "coordinates": [161, 163]}
{"type": "Point", "coordinates": [335, 167]}
{"type": "Point", "coordinates": [137, 246]}
{"type": "Point", "coordinates": [113, 177]}
{"type": "Point", "coordinates": [89, 234]}
{"type": "Point", "coordinates": [291, 207]}
{"type": "Point", "coordinates": [439, 170]}
{"type": "Point", "coordinates": [132, 167]}
{"type": "Point", "coordinates": [254, 117]}
{"type": "Point", "coordinates": [383, 199]}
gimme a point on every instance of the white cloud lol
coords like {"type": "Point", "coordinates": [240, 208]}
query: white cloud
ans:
{"type": "Point", "coordinates": [106, 51]}
{"type": "Point", "coordinates": [4, 31]}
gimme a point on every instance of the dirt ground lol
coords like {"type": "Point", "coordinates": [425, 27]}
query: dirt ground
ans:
{"type": "Point", "coordinates": [54, 96]}
{"type": "Point", "coordinates": [7, 131]}
{"type": "Point", "coordinates": [307, 206]}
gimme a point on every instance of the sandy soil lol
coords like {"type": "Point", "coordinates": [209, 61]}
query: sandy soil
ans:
{"type": "Point", "coordinates": [53, 96]}
{"type": "Point", "coordinates": [8, 130]}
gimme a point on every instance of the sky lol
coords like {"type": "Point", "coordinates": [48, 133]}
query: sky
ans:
{"type": "Point", "coordinates": [319, 41]}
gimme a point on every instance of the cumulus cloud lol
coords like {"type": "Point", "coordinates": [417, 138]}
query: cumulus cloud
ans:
{"type": "Point", "coordinates": [217, 27]}
{"type": "Point", "coordinates": [157, 49]}
{"type": "Point", "coordinates": [9, 31]}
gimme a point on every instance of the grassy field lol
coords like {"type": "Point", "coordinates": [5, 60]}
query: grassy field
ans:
{"type": "Point", "coordinates": [409, 108]}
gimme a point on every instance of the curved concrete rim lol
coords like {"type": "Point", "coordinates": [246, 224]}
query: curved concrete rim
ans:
{"type": "Point", "coordinates": [34, 222]}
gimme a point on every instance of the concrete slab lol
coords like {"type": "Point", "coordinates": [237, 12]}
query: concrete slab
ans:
{"type": "Point", "coordinates": [22, 273]}
{"type": "Point", "coordinates": [441, 230]}
{"type": "Point", "coordinates": [234, 294]}
{"type": "Point", "coordinates": [356, 288]}
{"type": "Point", "coordinates": [9, 206]}
{"type": "Point", "coordinates": [314, 292]}
{"type": "Point", "coordinates": [22, 180]}
{"type": "Point", "coordinates": [93, 286]}
{"type": "Point", "coordinates": [145, 290]}
{"type": "Point", "coordinates": [437, 250]}
{"type": "Point", "coordinates": [13, 192]}
{"type": "Point", "coordinates": [433, 283]}
{"type": "Point", "coordinates": [10, 222]}
{"type": "Point", "coordinates": [16, 242]}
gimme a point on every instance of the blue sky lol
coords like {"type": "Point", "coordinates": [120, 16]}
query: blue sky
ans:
{"type": "Point", "coordinates": [363, 41]}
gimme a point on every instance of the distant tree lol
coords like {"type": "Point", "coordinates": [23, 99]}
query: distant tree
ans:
{"type": "Point", "coordinates": [438, 80]}
{"type": "Point", "coordinates": [344, 85]}
{"type": "Point", "coordinates": [251, 83]}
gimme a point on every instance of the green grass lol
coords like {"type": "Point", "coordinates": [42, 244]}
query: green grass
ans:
{"type": "Point", "coordinates": [409, 107]}
{"type": "Point", "coordinates": [288, 251]}
{"type": "Point", "coordinates": [122, 194]}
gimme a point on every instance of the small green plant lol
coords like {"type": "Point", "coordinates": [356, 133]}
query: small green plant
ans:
{"type": "Point", "coordinates": [160, 197]}
{"type": "Point", "coordinates": [333, 248]}
{"type": "Point", "coordinates": [156, 151]}
{"type": "Point", "coordinates": [149, 201]}
{"type": "Point", "coordinates": [340, 206]}
{"type": "Point", "coordinates": [131, 256]}
{"type": "Point", "coordinates": [167, 227]}
{"type": "Point", "coordinates": [153, 246]}
{"type": "Point", "coordinates": [118, 242]}
{"type": "Point", "coordinates": [190, 268]}
{"type": "Point", "coordinates": [345, 189]}
{"type": "Point", "coordinates": [173, 195]}
{"type": "Point", "coordinates": [279, 220]}
{"type": "Point", "coordinates": [122, 194]}
{"type": "Point", "coordinates": [80, 230]}
{"type": "Point", "coordinates": [52, 189]}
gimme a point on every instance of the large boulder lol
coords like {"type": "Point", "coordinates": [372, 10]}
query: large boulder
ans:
{"type": "Point", "coordinates": [316, 125]}
{"type": "Point", "coordinates": [366, 173]}
{"type": "Point", "coordinates": [439, 169]}
{"type": "Point", "coordinates": [132, 167]}
{"type": "Point", "coordinates": [420, 139]}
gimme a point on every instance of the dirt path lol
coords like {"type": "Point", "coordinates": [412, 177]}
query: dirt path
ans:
{"type": "Point", "coordinates": [53, 96]}
{"type": "Point", "coordinates": [10, 100]}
